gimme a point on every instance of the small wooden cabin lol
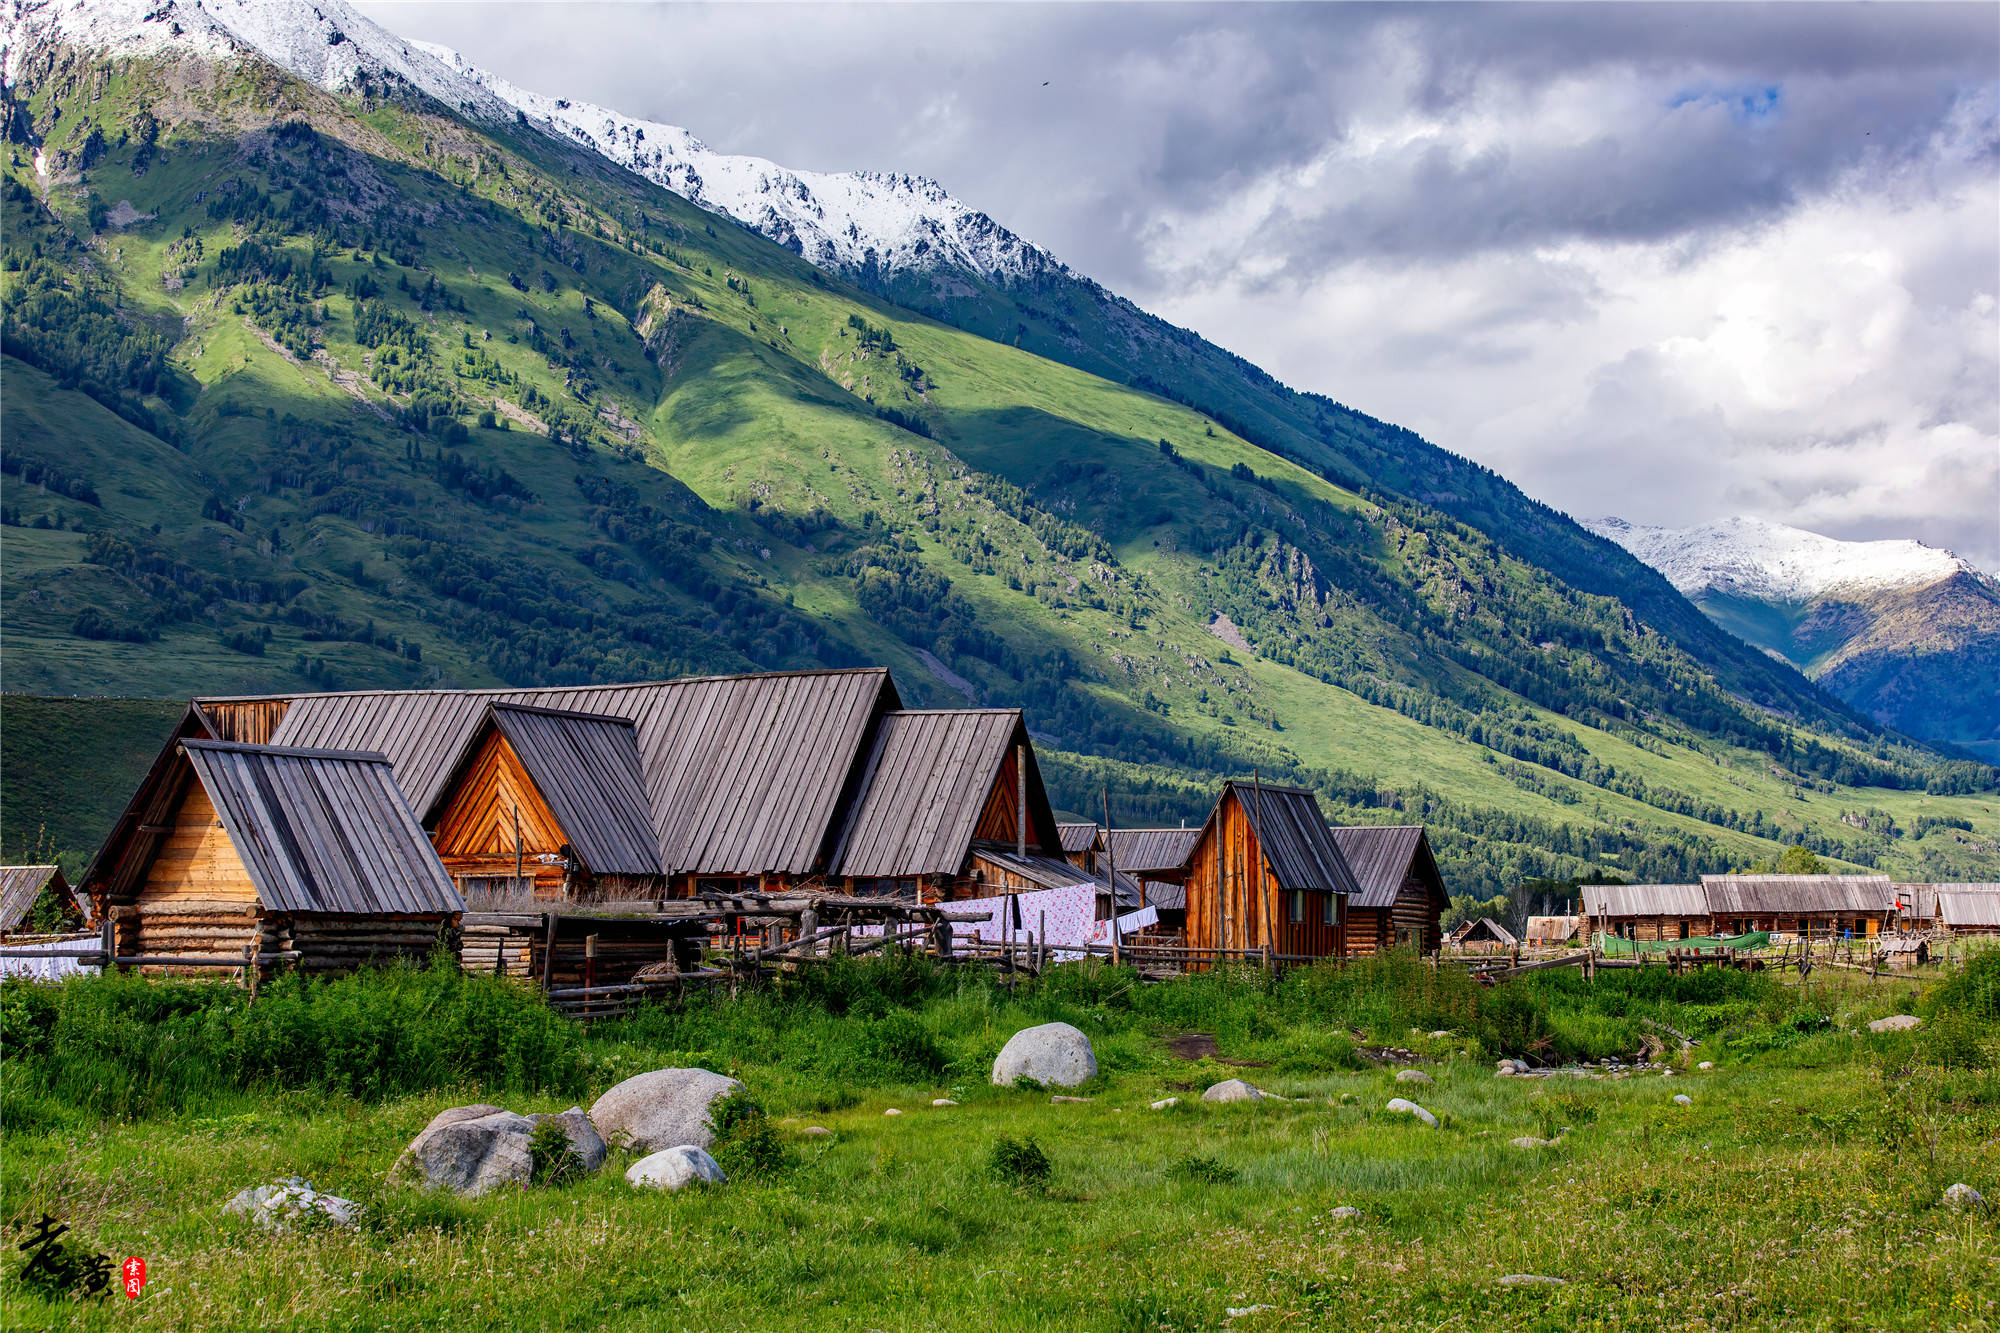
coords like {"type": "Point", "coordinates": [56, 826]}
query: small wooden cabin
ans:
{"type": "Point", "coordinates": [1646, 911]}
{"type": "Point", "coordinates": [1484, 936]}
{"type": "Point", "coordinates": [1816, 906]}
{"type": "Point", "coordinates": [1401, 898]}
{"type": "Point", "coordinates": [1265, 873]}
{"type": "Point", "coordinates": [1080, 844]}
{"type": "Point", "coordinates": [1549, 930]}
{"type": "Point", "coordinates": [548, 800]}
{"type": "Point", "coordinates": [1968, 909]}
{"type": "Point", "coordinates": [37, 900]}
{"type": "Point", "coordinates": [313, 852]}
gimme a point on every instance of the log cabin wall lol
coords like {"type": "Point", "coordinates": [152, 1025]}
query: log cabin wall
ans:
{"type": "Point", "coordinates": [1416, 916]}
{"type": "Point", "coordinates": [1370, 930]}
{"type": "Point", "coordinates": [1223, 911]}
{"type": "Point", "coordinates": [475, 833]}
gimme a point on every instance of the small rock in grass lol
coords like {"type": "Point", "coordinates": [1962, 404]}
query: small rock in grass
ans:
{"type": "Point", "coordinates": [943, 1101]}
{"type": "Point", "coordinates": [1530, 1280]}
{"type": "Point", "coordinates": [274, 1207]}
{"type": "Point", "coordinates": [1682, 1099]}
{"type": "Point", "coordinates": [1963, 1195]}
{"type": "Point", "coordinates": [1503, 1073]}
{"type": "Point", "coordinates": [1895, 1023]}
{"type": "Point", "coordinates": [1238, 1311]}
{"type": "Point", "coordinates": [1060, 1098]}
{"type": "Point", "coordinates": [1412, 1076]}
{"type": "Point", "coordinates": [1165, 1102]}
{"type": "Point", "coordinates": [817, 1132]}
{"type": "Point", "coordinates": [1054, 1055]}
{"type": "Point", "coordinates": [1441, 1032]}
{"type": "Point", "coordinates": [892, 1111]}
{"type": "Point", "coordinates": [1234, 1090]}
{"type": "Point", "coordinates": [1345, 1210]}
{"type": "Point", "coordinates": [1706, 1064]}
{"type": "Point", "coordinates": [675, 1168]}
{"type": "Point", "coordinates": [1530, 1141]}
{"type": "Point", "coordinates": [1411, 1108]}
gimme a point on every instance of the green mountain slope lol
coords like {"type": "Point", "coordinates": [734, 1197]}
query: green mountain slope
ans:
{"type": "Point", "coordinates": [308, 392]}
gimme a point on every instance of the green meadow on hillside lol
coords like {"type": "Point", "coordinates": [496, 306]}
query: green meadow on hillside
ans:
{"type": "Point", "coordinates": [1801, 1189]}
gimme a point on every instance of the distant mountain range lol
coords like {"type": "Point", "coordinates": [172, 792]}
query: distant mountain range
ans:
{"type": "Point", "coordinates": [1908, 633]}
{"type": "Point", "coordinates": [332, 361]}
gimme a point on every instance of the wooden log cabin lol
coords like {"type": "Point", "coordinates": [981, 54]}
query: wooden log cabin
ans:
{"type": "Point", "coordinates": [551, 802]}
{"type": "Point", "coordinates": [1646, 911]}
{"type": "Point", "coordinates": [950, 805]}
{"type": "Point", "coordinates": [1080, 844]}
{"type": "Point", "coordinates": [1265, 873]}
{"type": "Point", "coordinates": [1400, 895]}
{"type": "Point", "coordinates": [313, 855]}
{"type": "Point", "coordinates": [1816, 906]}
{"type": "Point", "coordinates": [1158, 859]}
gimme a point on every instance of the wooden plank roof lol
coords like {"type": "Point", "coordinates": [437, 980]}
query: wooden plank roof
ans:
{"type": "Point", "coordinates": [1293, 834]}
{"type": "Point", "coordinates": [586, 766]}
{"type": "Point", "coordinates": [1151, 851]}
{"type": "Point", "coordinates": [21, 885]}
{"type": "Point", "coordinates": [1969, 910]}
{"type": "Point", "coordinates": [1485, 928]}
{"type": "Point", "coordinates": [744, 775]}
{"type": "Point", "coordinates": [1169, 897]}
{"type": "Point", "coordinates": [1617, 900]}
{"type": "Point", "coordinates": [1788, 894]}
{"type": "Point", "coordinates": [322, 830]}
{"type": "Point", "coordinates": [1381, 857]}
{"type": "Point", "coordinates": [1923, 898]}
{"type": "Point", "coordinates": [1077, 837]}
{"type": "Point", "coordinates": [925, 786]}
{"type": "Point", "coordinates": [1055, 872]}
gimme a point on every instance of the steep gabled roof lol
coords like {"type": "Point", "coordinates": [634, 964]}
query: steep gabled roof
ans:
{"type": "Point", "coordinates": [1786, 894]}
{"type": "Point", "coordinates": [744, 775]}
{"type": "Point", "coordinates": [1382, 857]}
{"type": "Point", "coordinates": [1485, 928]}
{"type": "Point", "coordinates": [322, 830]}
{"type": "Point", "coordinates": [20, 886]}
{"type": "Point", "coordinates": [1151, 851]}
{"type": "Point", "coordinates": [924, 788]}
{"type": "Point", "coordinates": [1077, 837]}
{"type": "Point", "coordinates": [586, 767]}
{"type": "Point", "coordinates": [1293, 834]}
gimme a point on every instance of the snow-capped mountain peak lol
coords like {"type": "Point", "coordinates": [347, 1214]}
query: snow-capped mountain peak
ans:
{"type": "Point", "coordinates": [854, 223]}
{"type": "Point", "coordinates": [1752, 557]}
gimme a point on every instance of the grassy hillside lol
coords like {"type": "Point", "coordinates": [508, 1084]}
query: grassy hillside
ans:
{"type": "Point", "coordinates": [306, 393]}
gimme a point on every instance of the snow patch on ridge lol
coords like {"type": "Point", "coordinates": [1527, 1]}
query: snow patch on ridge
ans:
{"type": "Point", "coordinates": [1751, 557]}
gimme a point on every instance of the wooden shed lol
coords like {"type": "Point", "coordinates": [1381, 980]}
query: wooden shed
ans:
{"type": "Point", "coordinates": [1265, 873]}
{"type": "Point", "coordinates": [1401, 895]}
{"type": "Point", "coordinates": [1548, 930]}
{"type": "Point", "coordinates": [1920, 906]}
{"type": "Point", "coordinates": [950, 805]}
{"type": "Point", "coordinates": [1484, 936]}
{"type": "Point", "coordinates": [1646, 911]}
{"type": "Point", "coordinates": [37, 900]}
{"type": "Point", "coordinates": [1968, 909]}
{"type": "Point", "coordinates": [550, 800]}
{"type": "Point", "coordinates": [1817, 906]}
{"type": "Point", "coordinates": [1080, 843]}
{"type": "Point", "coordinates": [313, 855]}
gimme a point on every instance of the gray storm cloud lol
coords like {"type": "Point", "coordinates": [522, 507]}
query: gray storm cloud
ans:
{"type": "Point", "coordinates": [1674, 262]}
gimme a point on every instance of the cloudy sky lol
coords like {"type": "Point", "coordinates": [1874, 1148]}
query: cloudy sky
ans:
{"type": "Point", "coordinates": [1671, 263]}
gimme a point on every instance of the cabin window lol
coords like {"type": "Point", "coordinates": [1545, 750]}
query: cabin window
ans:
{"type": "Point", "coordinates": [1328, 907]}
{"type": "Point", "coordinates": [1298, 905]}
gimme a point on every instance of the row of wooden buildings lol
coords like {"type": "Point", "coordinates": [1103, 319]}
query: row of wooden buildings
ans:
{"type": "Point", "coordinates": [1859, 907]}
{"type": "Point", "coordinates": [329, 828]}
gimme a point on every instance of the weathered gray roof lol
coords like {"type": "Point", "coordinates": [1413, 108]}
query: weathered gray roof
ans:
{"type": "Point", "coordinates": [1975, 909]}
{"type": "Point", "coordinates": [1787, 894]}
{"type": "Point", "coordinates": [1293, 834]}
{"type": "Point", "coordinates": [924, 788]}
{"type": "Point", "coordinates": [586, 766]}
{"type": "Point", "coordinates": [1382, 857]}
{"type": "Point", "coordinates": [1151, 851]}
{"type": "Point", "coordinates": [744, 774]}
{"type": "Point", "coordinates": [1922, 898]}
{"type": "Point", "coordinates": [1054, 872]}
{"type": "Point", "coordinates": [1167, 897]}
{"type": "Point", "coordinates": [21, 885]}
{"type": "Point", "coordinates": [1077, 837]}
{"type": "Point", "coordinates": [1485, 928]}
{"type": "Point", "coordinates": [1615, 900]}
{"type": "Point", "coordinates": [322, 830]}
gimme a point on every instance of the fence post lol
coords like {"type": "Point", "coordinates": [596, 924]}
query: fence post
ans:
{"type": "Point", "coordinates": [108, 928]}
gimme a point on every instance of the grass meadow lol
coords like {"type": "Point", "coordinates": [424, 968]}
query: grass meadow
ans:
{"type": "Point", "coordinates": [1801, 1189]}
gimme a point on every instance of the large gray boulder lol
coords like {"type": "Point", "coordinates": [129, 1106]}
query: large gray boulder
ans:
{"type": "Point", "coordinates": [471, 1150]}
{"type": "Point", "coordinates": [1054, 1055]}
{"type": "Point", "coordinates": [276, 1207]}
{"type": "Point", "coordinates": [584, 1140]}
{"type": "Point", "coordinates": [674, 1168]}
{"type": "Point", "coordinates": [662, 1109]}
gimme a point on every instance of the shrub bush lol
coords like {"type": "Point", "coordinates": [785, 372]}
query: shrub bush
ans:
{"type": "Point", "coordinates": [1020, 1163]}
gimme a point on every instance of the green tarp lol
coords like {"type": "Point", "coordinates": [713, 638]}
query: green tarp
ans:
{"type": "Point", "coordinates": [1613, 947]}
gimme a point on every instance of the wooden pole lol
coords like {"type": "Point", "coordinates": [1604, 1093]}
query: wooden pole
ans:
{"type": "Point", "coordinates": [1111, 871]}
{"type": "Point", "coordinates": [109, 930]}
{"type": "Point", "coordinates": [1021, 801]}
{"type": "Point", "coordinates": [1221, 924]}
{"type": "Point", "coordinates": [518, 867]}
{"type": "Point", "coordinates": [549, 950]}
{"type": "Point", "coordinates": [1264, 903]}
